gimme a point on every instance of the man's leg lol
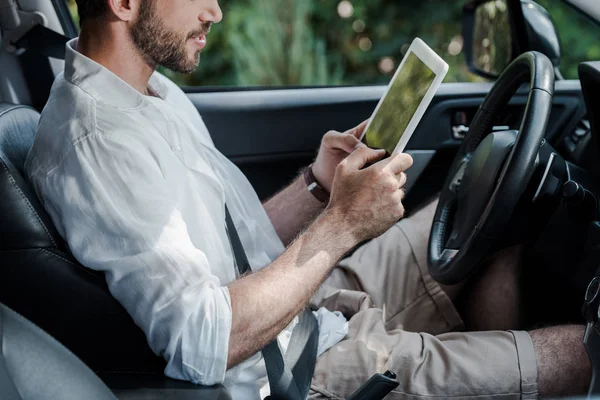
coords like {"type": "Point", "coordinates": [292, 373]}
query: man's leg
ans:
{"type": "Point", "coordinates": [564, 368]}
{"type": "Point", "coordinates": [390, 273]}
{"type": "Point", "coordinates": [393, 270]}
{"type": "Point", "coordinates": [491, 365]}
{"type": "Point", "coordinates": [492, 299]}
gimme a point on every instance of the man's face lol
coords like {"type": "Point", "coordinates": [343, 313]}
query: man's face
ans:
{"type": "Point", "coordinates": [172, 33]}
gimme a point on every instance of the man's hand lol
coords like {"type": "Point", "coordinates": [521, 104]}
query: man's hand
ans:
{"type": "Point", "coordinates": [335, 147]}
{"type": "Point", "coordinates": [365, 202]}
{"type": "Point", "coordinates": [369, 201]}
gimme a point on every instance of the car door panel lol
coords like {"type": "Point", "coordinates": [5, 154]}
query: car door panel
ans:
{"type": "Point", "coordinates": [272, 134]}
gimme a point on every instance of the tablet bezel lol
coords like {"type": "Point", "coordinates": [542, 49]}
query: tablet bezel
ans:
{"type": "Point", "coordinates": [438, 66]}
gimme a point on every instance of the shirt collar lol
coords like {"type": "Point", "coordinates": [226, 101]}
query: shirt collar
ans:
{"type": "Point", "coordinates": [103, 84]}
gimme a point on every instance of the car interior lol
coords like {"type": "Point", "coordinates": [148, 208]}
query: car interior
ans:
{"type": "Point", "coordinates": [62, 334]}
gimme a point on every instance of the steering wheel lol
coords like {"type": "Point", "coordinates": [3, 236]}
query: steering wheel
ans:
{"type": "Point", "coordinates": [490, 172]}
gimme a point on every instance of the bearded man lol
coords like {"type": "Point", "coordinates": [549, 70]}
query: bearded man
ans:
{"type": "Point", "coordinates": [128, 172]}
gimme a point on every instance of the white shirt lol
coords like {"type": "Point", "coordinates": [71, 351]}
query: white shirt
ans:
{"type": "Point", "coordinates": [136, 187]}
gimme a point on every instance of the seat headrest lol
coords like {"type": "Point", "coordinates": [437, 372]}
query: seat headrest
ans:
{"type": "Point", "coordinates": [23, 221]}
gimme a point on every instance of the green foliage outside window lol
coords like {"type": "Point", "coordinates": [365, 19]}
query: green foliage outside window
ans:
{"type": "Point", "coordinates": [492, 37]}
{"type": "Point", "coordinates": [350, 42]}
{"type": "Point", "coordinates": [284, 51]}
{"type": "Point", "coordinates": [579, 37]}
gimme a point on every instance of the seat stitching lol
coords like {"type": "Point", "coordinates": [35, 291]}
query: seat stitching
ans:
{"type": "Point", "coordinates": [23, 197]}
{"type": "Point", "coordinates": [78, 266]}
{"type": "Point", "coordinates": [107, 373]}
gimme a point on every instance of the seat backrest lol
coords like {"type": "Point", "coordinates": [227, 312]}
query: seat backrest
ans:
{"type": "Point", "coordinates": [40, 279]}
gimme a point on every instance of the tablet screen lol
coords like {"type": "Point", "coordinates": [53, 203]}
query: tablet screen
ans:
{"type": "Point", "coordinates": [400, 104]}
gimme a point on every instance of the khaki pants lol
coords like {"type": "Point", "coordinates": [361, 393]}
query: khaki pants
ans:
{"type": "Point", "coordinates": [386, 290]}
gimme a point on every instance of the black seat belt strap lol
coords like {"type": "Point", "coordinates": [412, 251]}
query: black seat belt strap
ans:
{"type": "Point", "coordinates": [44, 41]}
{"type": "Point", "coordinates": [301, 355]}
{"type": "Point", "coordinates": [239, 254]}
{"type": "Point", "coordinates": [40, 43]}
{"type": "Point", "coordinates": [289, 377]}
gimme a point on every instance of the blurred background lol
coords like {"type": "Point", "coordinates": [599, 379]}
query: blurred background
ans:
{"type": "Point", "coordinates": [350, 42]}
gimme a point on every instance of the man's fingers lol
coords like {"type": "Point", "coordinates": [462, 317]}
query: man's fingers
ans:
{"type": "Point", "coordinates": [361, 157]}
{"type": "Point", "coordinates": [358, 130]}
{"type": "Point", "coordinates": [348, 140]}
{"type": "Point", "coordinates": [342, 141]}
{"type": "Point", "coordinates": [398, 163]}
{"type": "Point", "coordinates": [402, 179]}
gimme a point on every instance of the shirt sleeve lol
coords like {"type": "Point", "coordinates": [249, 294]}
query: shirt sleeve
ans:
{"type": "Point", "coordinates": [118, 213]}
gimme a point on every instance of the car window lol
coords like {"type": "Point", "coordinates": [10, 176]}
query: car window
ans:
{"type": "Point", "coordinates": [579, 36]}
{"type": "Point", "coordinates": [323, 42]}
{"type": "Point", "coordinates": [349, 42]}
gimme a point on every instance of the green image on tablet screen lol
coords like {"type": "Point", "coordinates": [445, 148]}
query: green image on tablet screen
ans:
{"type": "Point", "coordinates": [400, 104]}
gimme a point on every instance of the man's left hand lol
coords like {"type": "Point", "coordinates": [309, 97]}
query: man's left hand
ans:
{"type": "Point", "coordinates": [335, 146]}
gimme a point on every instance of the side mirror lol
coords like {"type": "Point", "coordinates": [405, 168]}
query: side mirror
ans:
{"type": "Point", "coordinates": [541, 31]}
{"type": "Point", "coordinates": [488, 37]}
{"type": "Point", "coordinates": [490, 34]}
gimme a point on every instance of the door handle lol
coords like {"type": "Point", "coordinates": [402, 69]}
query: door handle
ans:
{"type": "Point", "coordinates": [460, 131]}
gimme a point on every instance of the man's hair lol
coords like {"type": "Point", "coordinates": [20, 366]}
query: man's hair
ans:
{"type": "Point", "coordinates": [91, 9]}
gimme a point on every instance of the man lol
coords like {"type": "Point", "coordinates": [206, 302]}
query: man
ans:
{"type": "Point", "coordinates": [129, 174]}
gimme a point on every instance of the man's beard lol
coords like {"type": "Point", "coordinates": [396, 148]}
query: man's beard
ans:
{"type": "Point", "coordinates": [161, 46]}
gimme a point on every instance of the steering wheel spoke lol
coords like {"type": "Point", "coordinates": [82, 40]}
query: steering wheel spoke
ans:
{"type": "Point", "coordinates": [448, 254]}
{"type": "Point", "coordinates": [459, 174]}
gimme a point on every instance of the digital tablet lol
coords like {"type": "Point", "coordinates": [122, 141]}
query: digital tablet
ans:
{"type": "Point", "coordinates": [406, 98]}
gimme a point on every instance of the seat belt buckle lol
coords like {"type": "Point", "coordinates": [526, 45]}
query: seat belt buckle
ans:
{"type": "Point", "coordinates": [377, 387]}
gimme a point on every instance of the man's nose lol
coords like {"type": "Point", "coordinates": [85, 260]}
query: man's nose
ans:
{"type": "Point", "coordinates": [211, 12]}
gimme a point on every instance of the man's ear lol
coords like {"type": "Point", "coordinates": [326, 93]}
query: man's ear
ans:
{"type": "Point", "coordinates": [125, 10]}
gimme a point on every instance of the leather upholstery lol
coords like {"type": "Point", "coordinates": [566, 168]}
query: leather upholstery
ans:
{"type": "Point", "coordinates": [35, 366]}
{"type": "Point", "coordinates": [40, 279]}
{"type": "Point", "coordinates": [28, 228]}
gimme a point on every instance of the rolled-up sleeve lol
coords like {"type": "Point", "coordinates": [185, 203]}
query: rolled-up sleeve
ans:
{"type": "Point", "coordinates": [110, 199]}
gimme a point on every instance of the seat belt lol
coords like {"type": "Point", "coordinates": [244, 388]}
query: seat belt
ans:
{"type": "Point", "coordinates": [290, 376]}
{"type": "Point", "coordinates": [40, 43]}
{"type": "Point", "coordinates": [44, 41]}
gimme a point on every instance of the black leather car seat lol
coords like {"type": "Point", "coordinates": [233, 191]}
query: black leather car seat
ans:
{"type": "Point", "coordinates": [35, 366]}
{"type": "Point", "coordinates": [40, 280]}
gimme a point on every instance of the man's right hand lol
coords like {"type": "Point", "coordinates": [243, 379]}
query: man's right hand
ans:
{"type": "Point", "coordinates": [364, 203]}
{"type": "Point", "coordinates": [369, 200]}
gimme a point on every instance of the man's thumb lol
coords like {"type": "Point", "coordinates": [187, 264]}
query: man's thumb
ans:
{"type": "Point", "coordinates": [363, 156]}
